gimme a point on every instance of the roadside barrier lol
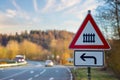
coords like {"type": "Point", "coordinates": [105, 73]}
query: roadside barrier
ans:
{"type": "Point", "coordinates": [13, 64]}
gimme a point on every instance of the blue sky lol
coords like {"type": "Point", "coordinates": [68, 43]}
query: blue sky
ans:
{"type": "Point", "coordinates": [21, 15]}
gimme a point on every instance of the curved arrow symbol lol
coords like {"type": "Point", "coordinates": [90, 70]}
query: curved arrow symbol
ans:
{"type": "Point", "coordinates": [83, 58]}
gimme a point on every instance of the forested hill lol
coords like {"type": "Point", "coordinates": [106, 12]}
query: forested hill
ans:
{"type": "Point", "coordinates": [42, 38]}
{"type": "Point", "coordinates": [37, 45]}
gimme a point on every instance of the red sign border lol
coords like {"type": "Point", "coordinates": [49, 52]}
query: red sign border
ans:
{"type": "Point", "coordinates": [89, 47]}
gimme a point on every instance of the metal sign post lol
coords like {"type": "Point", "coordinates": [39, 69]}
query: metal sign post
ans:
{"type": "Point", "coordinates": [89, 73]}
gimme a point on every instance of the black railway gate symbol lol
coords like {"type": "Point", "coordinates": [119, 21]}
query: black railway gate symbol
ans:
{"type": "Point", "coordinates": [88, 38]}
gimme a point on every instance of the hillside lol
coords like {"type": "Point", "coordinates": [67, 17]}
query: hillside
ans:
{"type": "Point", "coordinates": [37, 45]}
{"type": "Point", "coordinates": [42, 38]}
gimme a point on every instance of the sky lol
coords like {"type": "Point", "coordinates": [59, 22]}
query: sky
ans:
{"type": "Point", "coordinates": [21, 15]}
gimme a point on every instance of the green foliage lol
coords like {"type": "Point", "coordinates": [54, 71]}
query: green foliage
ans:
{"type": "Point", "coordinates": [96, 74]}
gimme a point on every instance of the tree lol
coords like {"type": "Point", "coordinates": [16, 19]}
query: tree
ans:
{"type": "Point", "coordinates": [64, 58]}
{"type": "Point", "coordinates": [54, 48]}
{"type": "Point", "coordinates": [3, 52]}
{"type": "Point", "coordinates": [30, 49]}
{"type": "Point", "coordinates": [13, 49]}
{"type": "Point", "coordinates": [108, 17]}
{"type": "Point", "coordinates": [60, 48]}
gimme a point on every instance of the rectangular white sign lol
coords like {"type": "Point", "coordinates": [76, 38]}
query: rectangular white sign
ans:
{"type": "Point", "coordinates": [88, 58]}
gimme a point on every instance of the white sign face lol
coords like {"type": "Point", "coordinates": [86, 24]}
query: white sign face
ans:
{"type": "Point", "coordinates": [89, 36]}
{"type": "Point", "coordinates": [89, 58]}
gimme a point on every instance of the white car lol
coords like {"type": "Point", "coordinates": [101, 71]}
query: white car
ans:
{"type": "Point", "coordinates": [20, 58]}
{"type": "Point", "coordinates": [49, 63]}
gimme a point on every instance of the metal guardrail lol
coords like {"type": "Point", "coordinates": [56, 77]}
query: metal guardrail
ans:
{"type": "Point", "coordinates": [13, 64]}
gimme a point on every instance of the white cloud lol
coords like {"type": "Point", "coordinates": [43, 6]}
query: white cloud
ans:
{"type": "Point", "coordinates": [89, 5]}
{"type": "Point", "coordinates": [24, 15]}
{"type": "Point", "coordinates": [14, 24]}
{"type": "Point", "coordinates": [36, 20]}
{"type": "Point", "coordinates": [11, 13]}
{"type": "Point", "coordinates": [19, 18]}
{"type": "Point", "coordinates": [8, 24]}
{"type": "Point", "coordinates": [17, 14]}
{"type": "Point", "coordinates": [66, 4]}
{"type": "Point", "coordinates": [80, 11]}
{"type": "Point", "coordinates": [20, 12]}
{"type": "Point", "coordinates": [8, 20]}
{"type": "Point", "coordinates": [16, 5]}
{"type": "Point", "coordinates": [72, 6]}
{"type": "Point", "coordinates": [49, 5]}
{"type": "Point", "coordinates": [54, 5]}
{"type": "Point", "coordinates": [35, 5]}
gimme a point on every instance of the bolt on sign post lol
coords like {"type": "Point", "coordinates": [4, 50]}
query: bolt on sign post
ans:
{"type": "Point", "coordinates": [88, 45]}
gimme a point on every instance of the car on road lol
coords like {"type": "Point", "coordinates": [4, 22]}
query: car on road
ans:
{"type": "Point", "coordinates": [49, 63]}
{"type": "Point", "coordinates": [20, 58]}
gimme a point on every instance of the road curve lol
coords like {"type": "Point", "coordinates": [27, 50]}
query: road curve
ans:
{"type": "Point", "coordinates": [35, 71]}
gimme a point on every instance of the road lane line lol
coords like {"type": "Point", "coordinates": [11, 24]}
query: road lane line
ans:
{"type": "Point", "coordinates": [42, 71]}
{"type": "Point", "coordinates": [30, 78]}
{"type": "Point", "coordinates": [15, 74]}
{"type": "Point", "coordinates": [31, 72]}
{"type": "Point", "coordinates": [11, 79]}
{"type": "Point", "coordinates": [71, 77]}
{"type": "Point", "coordinates": [52, 78]}
{"type": "Point", "coordinates": [36, 75]}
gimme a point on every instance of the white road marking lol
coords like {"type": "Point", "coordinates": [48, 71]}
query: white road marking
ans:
{"type": "Point", "coordinates": [51, 78]}
{"type": "Point", "coordinates": [30, 78]}
{"type": "Point", "coordinates": [31, 72]}
{"type": "Point", "coordinates": [42, 71]}
{"type": "Point", "coordinates": [11, 79]}
{"type": "Point", "coordinates": [36, 75]}
{"type": "Point", "coordinates": [70, 73]}
{"type": "Point", "coordinates": [15, 74]}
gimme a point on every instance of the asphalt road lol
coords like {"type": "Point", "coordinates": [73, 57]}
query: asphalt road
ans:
{"type": "Point", "coordinates": [35, 71]}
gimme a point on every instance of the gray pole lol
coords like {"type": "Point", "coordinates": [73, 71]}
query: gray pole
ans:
{"type": "Point", "coordinates": [89, 68]}
{"type": "Point", "coordinates": [89, 11]}
{"type": "Point", "coordinates": [89, 73]}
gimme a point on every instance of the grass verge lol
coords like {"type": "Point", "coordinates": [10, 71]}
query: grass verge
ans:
{"type": "Point", "coordinates": [96, 74]}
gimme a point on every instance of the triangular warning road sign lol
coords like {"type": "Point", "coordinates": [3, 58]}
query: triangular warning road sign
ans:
{"type": "Point", "coordinates": [89, 37]}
